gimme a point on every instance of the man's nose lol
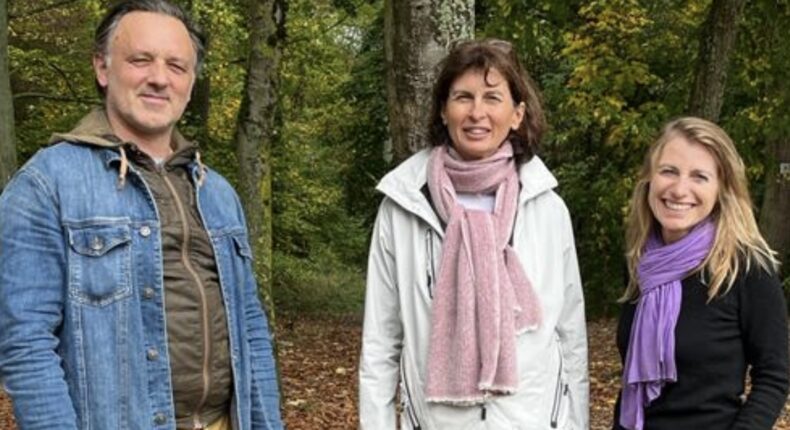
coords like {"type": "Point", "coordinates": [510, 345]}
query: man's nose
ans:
{"type": "Point", "coordinates": [158, 75]}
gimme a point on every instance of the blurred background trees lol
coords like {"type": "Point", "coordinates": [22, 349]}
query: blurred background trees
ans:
{"type": "Point", "coordinates": [292, 106]}
{"type": "Point", "coordinates": [7, 139]}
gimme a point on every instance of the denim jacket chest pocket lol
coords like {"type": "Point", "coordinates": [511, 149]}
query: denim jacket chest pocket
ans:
{"type": "Point", "coordinates": [99, 262]}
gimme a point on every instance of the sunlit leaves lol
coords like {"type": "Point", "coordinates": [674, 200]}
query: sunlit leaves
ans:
{"type": "Point", "coordinates": [609, 68]}
{"type": "Point", "coordinates": [611, 71]}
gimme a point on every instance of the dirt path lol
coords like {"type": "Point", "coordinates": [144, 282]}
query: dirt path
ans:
{"type": "Point", "coordinates": [319, 382]}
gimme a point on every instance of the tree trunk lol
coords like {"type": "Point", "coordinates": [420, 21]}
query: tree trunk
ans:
{"type": "Point", "coordinates": [7, 140]}
{"type": "Point", "coordinates": [417, 35]}
{"type": "Point", "coordinates": [256, 130]}
{"type": "Point", "coordinates": [717, 42]}
{"type": "Point", "coordinates": [200, 104]}
{"type": "Point", "coordinates": [775, 211]}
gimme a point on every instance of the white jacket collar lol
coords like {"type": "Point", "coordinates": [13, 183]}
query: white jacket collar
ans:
{"type": "Point", "coordinates": [404, 184]}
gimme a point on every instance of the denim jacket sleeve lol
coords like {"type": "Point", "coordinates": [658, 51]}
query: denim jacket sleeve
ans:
{"type": "Point", "coordinates": [264, 389]}
{"type": "Point", "coordinates": [32, 296]}
{"type": "Point", "coordinates": [265, 394]}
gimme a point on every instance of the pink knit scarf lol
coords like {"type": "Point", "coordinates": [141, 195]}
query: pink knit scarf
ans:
{"type": "Point", "coordinates": [483, 298]}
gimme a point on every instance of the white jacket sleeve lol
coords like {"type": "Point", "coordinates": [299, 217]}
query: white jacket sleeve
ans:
{"type": "Point", "coordinates": [572, 330]}
{"type": "Point", "coordinates": [382, 333]}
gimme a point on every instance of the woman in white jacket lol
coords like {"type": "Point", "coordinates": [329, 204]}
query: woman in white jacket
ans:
{"type": "Point", "coordinates": [474, 313]}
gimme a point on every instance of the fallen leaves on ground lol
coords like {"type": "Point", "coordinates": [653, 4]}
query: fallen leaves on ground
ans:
{"type": "Point", "coordinates": [318, 360]}
{"type": "Point", "coordinates": [604, 362]}
{"type": "Point", "coordinates": [6, 416]}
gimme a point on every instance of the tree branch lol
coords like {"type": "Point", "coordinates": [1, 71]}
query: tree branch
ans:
{"type": "Point", "coordinates": [63, 76]}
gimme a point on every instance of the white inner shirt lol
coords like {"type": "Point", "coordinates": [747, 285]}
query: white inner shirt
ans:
{"type": "Point", "coordinates": [480, 202]}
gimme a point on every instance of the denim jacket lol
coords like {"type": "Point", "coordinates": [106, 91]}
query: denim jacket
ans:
{"type": "Point", "coordinates": [82, 297]}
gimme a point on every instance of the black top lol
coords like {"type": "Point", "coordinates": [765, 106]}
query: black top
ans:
{"type": "Point", "coordinates": [714, 344]}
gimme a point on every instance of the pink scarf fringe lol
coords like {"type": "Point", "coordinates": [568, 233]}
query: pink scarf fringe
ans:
{"type": "Point", "coordinates": [483, 298]}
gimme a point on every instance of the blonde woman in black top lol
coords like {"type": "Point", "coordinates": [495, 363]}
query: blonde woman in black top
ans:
{"type": "Point", "coordinates": [704, 305]}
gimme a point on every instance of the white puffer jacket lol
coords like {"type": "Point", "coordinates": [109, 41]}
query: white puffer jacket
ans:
{"type": "Point", "coordinates": [405, 252]}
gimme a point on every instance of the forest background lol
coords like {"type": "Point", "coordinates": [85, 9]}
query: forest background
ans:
{"type": "Point", "coordinates": [305, 104]}
{"type": "Point", "coordinates": [295, 100]}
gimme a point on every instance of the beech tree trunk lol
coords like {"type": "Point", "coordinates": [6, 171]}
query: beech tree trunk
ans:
{"type": "Point", "coordinates": [717, 42]}
{"type": "Point", "coordinates": [417, 36]}
{"type": "Point", "coordinates": [256, 131]}
{"type": "Point", "coordinates": [775, 211]}
{"type": "Point", "coordinates": [7, 139]}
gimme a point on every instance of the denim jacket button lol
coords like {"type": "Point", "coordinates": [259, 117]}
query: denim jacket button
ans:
{"type": "Point", "coordinates": [160, 419]}
{"type": "Point", "coordinates": [148, 293]}
{"type": "Point", "coordinates": [145, 231]}
{"type": "Point", "coordinates": [97, 243]}
{"type": "Point", "coordinates": [152, 354]}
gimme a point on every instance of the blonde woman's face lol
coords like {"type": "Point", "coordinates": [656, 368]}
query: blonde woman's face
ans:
{"type": "Point", "coordinates": [684, 187]}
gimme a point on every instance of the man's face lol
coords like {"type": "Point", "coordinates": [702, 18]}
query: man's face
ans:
{"type": "Point", "coordinates": [147, 75]}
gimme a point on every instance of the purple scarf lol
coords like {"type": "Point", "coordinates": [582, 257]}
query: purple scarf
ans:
{"type": "Point", "coordinates": [650, 360]}
{"type": "Point", "coordinates": [483, 297]}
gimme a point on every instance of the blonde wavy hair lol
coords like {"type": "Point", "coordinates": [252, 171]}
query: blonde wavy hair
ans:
{"type": "Point", "coordinates": [738, 241]}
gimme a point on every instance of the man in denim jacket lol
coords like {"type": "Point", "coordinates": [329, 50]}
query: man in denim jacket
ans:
{"type": "Point", "coordinates": [127, 299]}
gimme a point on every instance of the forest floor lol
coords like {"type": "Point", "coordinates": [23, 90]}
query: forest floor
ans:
{"type": "Point", "coordinates": [318, 359]}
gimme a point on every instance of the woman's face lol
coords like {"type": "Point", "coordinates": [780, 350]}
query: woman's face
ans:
{"type": "Point", "coordinates": [684, 187]}
{"type": "Point", "coordinates": [480, 112]}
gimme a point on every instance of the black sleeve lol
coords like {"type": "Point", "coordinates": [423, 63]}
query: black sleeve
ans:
{"type": "Point", "coordinates": [763, 321]}
{"type": "Point", "coordinates": [627, 312]}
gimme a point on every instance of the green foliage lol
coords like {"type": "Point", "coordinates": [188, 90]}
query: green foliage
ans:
{"type": "Point", "coordinates": [367, 132]}
{"type": "Point", "coordinates": [611, 87]}
{"type": "Point", "coordinates": [222, 22]}
{"type": "Point", "coordinates": [317, 285]}
{"type": "Point", "coordinates": [605, 112]}
{"type": "Point", "coordinates": [757, 109]}
{"type": "Point", "coordinates": [51, 78]}
{"type": "Point", "coordinates": [319, 239]}
{"type": "Point", "coordinates": [611, 72]}
{"type": "Point", "coordinates": [593, 63]}
{"type": "Point", "coordinates": [596, 192]}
